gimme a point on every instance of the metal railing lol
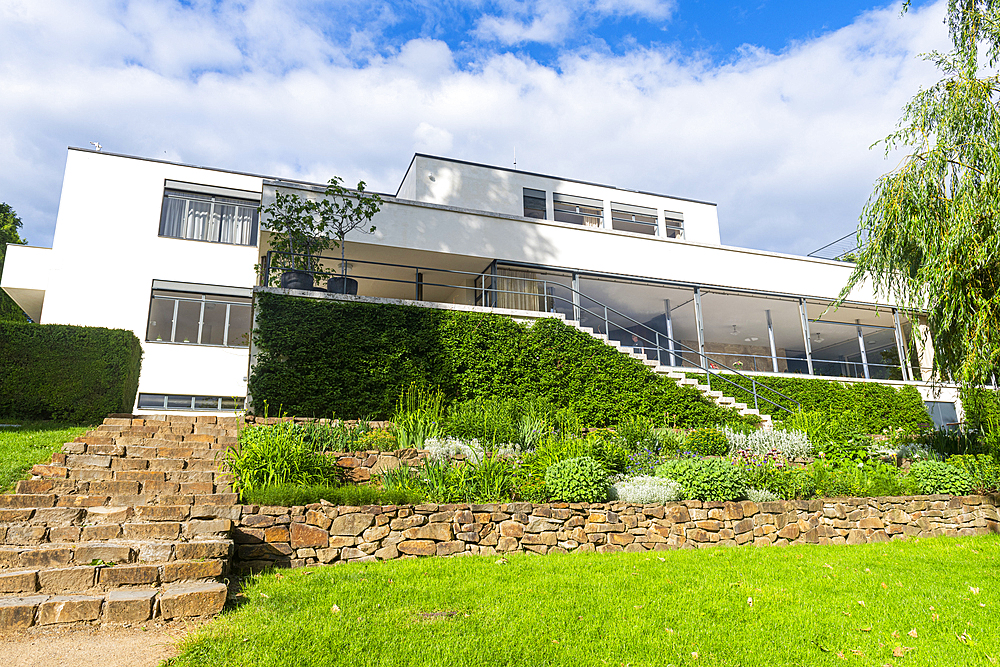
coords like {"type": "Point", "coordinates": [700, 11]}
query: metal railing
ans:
{"type": "Point", "coordinates": [667, 351]}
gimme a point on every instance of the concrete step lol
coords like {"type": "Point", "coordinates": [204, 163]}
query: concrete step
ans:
{"type": "Point", "coordinates": [728, 401]}
{"type": "Point", "coordinates": [703, 388]}
{"type": "Point", "coordinates": [688, 382]}
{"type": "Point", "coordinates": [125, 606]}
{"type": "Point", "coordinates": [38, 557]}
{"type": "Point", "coordinates": [713, 394]}
{"type": "Point", "coordinates": [739, 406]}
{"type": "Point", "coordinates": [750, 411]}
{"type": "Point", "coordinates": [674, 375]}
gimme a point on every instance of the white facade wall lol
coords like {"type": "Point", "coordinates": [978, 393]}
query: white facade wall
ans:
{"type": "Point", "coordinates": [107, 251]}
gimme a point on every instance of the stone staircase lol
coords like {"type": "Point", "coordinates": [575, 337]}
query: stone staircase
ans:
{"type": "Point", "coordinates": [680, 377]}
{"type": "Point", "coordinates": [129, 522]}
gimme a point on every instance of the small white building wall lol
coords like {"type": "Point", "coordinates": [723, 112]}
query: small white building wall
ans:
{"type": "Point", "coordinates": [479, 187]}
{"type": "Point", "coordinates": [107, 251]}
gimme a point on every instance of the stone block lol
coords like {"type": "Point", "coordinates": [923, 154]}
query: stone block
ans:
{"type": "Point", "coordinates": [109, 553]}
{"type": "Point", "coordinates": [129, 575]}
{"type": "Point", "coordinates": [116, 515]}
{"type": "Point", "coordinates": [111, 531]}
{"type": "Point", "coordinates": [276, 534]}
{"type": "Point", "coordinates": [18, 582]}
{"type": "Point", "coordinates": [209, 527]}
{"type": "Point", "coordinates": [68, 579]}
{"type": "Point", "coordinates": [46, 557]}
{"type": "Point", "coordinates": [351, 524]}
{"type": "Point", "coordinates": [350, 553]}
{"type": "Point", "coordinates": [16, 515]}
{"type": "Point", "coordinates": [35, 486]}
{"type": "Point", "coordinates": [789, 532]}
{"type": "Point", "coordinates": [303, 535]}
{"type": "Point", "coordinates": [83, 460]}
{"type": "Point", "coordinates": [25, 535]}
{"type": "Point", "coordinates": [341, 541]}
{"type": "Point", "coordinates": [507, 544]}
{"type": "Point", "coordinates": [418, 547]}
{"type": "Point", "coordinates": [82, 501]}
{"type": "Point", "coordinates": [162, 512]}
{"type": "Point", "coordinates": [511, 529]}
{"type": "Point", "coordinates": [320, 520]}
{"type": "Point", "coordinates": [439, 532]}
{"type": "Point", "coordinates": [620, 539]}
{"type": "Point", "coordinates": [406, 523]}
{"type": "Point", "coordinates": [540, 526]}
{"type": "Point", "coordinates": [19, 613]}
{"type": "Point", "coordinates": [192, 600]}
{"type": "Point", "coordinates": [152, 531]}
{"type": "Point", "coordinates": [202, 550]}
{"type": "Point", "coordinates": [677, 514]}
{"type": "Point", "coordinates": [69, 609]}
{"type": "Point", "coordinates": [24, 500]}
{"type": "Point", "coordinates": [449, 548]}
{"type": "Point", "coordinates": [57, 516]}
{"type": "Point", "coordinates": [192, 570]}
{"type": "Point", "coordinates": [128, 606]}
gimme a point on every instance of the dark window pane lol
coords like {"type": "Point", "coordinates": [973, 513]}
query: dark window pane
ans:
{"type": "Point", "coordinates": [161, 319]}
{"type": "Point", "coordinates": [179, 402]}
{"type": "Point", "coordinates": [188, 314]}
{"type": "Point", "coordinates": [232, 403]}
{"type": "Point", "coordinates": [206, 403]}
{"type": "Point", "coordinates": [213, 329]}
{"type": "Point", "coordinates": [151, 401]}
{"type": "Point", "coordinates": [239, 326]}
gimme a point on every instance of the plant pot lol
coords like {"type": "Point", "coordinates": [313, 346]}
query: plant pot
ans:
{"type": "Point", "coordinates": [336, 285]}
{"type": "Point", "coordinates": [296, 280]}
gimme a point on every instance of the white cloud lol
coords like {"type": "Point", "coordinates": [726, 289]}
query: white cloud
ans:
{"type": "Point", "coordinates": [779, 141]}
{"type": "Point", "coordinates": [557, 21]}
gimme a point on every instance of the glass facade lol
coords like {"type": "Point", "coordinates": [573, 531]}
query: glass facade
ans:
{"type": "Point", "coordinates": [715, 328]}
{"type": "Point", "coordinates": [198, 319]}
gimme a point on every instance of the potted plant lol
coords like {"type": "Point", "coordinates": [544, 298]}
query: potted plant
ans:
{"type": "Point", "coordinates": [342, 211]}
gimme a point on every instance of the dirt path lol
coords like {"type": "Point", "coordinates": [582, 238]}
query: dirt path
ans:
{"type": "Point", "coordinates": [92, 647]}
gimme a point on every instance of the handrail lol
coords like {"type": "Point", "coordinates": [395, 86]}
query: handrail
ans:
{"type": "Point", "coordinates": [575, 306]}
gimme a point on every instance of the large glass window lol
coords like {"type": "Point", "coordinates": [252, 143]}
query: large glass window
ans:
{"type": "Point", "coordinates": [198, 319]}
{"type": "Point", "coordinates": [578, 210]}
{"type": "Point", "coordinates": [534, 203]}
{"type": "Point", "coordinates": [673, 224]}
{"type": "Point", "coordinates": [851, 341]}
{"type": "Point", "coordinates": [188, 215]}
{"type": "Point", "coordinates": [750, 333]}
{"type": "Point", "coordinates": [638, 219]}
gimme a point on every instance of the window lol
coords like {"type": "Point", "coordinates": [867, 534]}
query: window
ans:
{"type": "Point", "coordinates": [944, 414]}
{"type": "Point", "coordinates": [578, 210]}
{"type": "Point", "coordinates": [198, 319]}
{"type": "Point", "coordinates": [673, 224]}
{"type": "Point", "coordinates": [182, 402]}
{"type": "Point", "coordinates": [208, 217]}
{"type": "Point", "coordinates": [534, 203]}
{"type": "Point", "coordinates": [627, 218]}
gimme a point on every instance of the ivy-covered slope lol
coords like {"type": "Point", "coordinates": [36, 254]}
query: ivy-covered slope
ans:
{"type": "Point", "coordinates": [319, 358]}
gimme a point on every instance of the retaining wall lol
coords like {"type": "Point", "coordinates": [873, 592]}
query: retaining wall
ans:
{"type": "Point", "coordinates": [322, 533]}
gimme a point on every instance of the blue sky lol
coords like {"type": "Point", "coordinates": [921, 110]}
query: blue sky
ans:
{"type": "Point", "coordinates": [765, 107]}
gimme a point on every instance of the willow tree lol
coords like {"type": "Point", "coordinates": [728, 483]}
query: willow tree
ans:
{"type": "Point", "coordinates": [930, 233]}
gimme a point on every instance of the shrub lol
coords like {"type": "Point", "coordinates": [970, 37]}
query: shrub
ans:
{"type": "Point", "coordinates": [983, 469]}
{"type": "Point", "coordinates": [761, 495]}
{"type": "Point", "coordinates": [637, 433]}
{"type": "Point", "coordinates": [705, 479]}
{"type": "Point", "coordinates": [335, 437]}
{"type": "Point", "coordinates": [490, 421]}
{"type": "Point", "coordinates": [418, 416]}
{"type": "Point", "coordinates": [376, 439]}
{"type": "Point", "coordinates": [359, 357]}
{"type": "Point", "coordinates": [643, 462]}
{"type": "Point", "coordinates": [577, 480]}
{"type": "Point", "coordinates": [445, 449]}
{"type": "Point", "coordinates": [790, 444]}
{"type": "Point", "coordinates": [288, 495]}
{"type": "Point", "coordinates": [63, 372]}
{"type": "Point", "coordinates": [275, 455]}
{"type": "Point", "coordinates": [856, 477]}
{"type": "Point", "coordinates": [707, 442]}
{"type": "Point", "coordinates": [491, 479]}
{"type": "Point", "coordinates": [932, 477]}
{"type": "Point", "coordinates": [645, 489]}
{"type": "Point", "coordinates": [671, 441]}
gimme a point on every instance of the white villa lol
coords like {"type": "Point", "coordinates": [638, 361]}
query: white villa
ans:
{"type": "Point", "coordinates": [172, 252]}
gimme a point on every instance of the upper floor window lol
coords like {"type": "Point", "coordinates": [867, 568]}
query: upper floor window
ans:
{"type": "Point", "coordinates": [673, 224]}
{"type": "Point", "coordinates": [208, 217]}
{"type": "Point", "coordinates": [534, 203]}
{"type": "Point", "coordinates": [198, 319]}
{"type": "Point", "coordinates": [578, 210]}
{"type": "Point", "coordinates": [638, 219]}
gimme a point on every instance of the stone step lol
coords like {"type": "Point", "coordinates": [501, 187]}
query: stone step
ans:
{"type": "Point", "coordinates": [750, 411]}
{"type": "Point", "coordinates": [95, 579]}
{"type": "Point", "coordinates": [63, 525]}
{"type": "Point", "coordinates": [14, 558]}
{"type": "Point", "coordinates": [739, 406]}
{"type": "Point", "coordinates": [120, 606]}
{"type": "Point", "coordinates": [674, 375]}
{"type": "Point", "coordinates": [703, 388]}
{"type": "Point", "coordinates": [726, 401]}
{"type": "Point", "coordinates": [713, 394]}
{"type": "Point", "coordinates": [118, 492]}
{"type": "Point", "coordinates": [688, 382]}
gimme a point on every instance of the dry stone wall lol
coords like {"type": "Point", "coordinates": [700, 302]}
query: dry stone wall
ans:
{"type": "Point", "coordinates": [321, 533]}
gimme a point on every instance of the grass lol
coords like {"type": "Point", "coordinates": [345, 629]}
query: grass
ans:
{"type": "Point", "coordinates": [934, 601]}
{"type": "Point", "coordinates": [291, 494]}
{"type": "Point", "coordinates": [33, 442]}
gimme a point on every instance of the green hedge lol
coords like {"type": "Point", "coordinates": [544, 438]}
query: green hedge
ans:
{"type": "Point", "coordinates": [982, 407]}
{"type": "Point", "coordinates": [58, 371]}
{"type": "Point", "coordinates": [869, 407]}
{"type": "Point", "coordinates": [321, 358]}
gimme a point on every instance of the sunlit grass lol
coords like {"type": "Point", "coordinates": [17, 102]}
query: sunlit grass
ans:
{"type": "Point", "coordinates": [30, 443]}
{"type": "Point", "coordinates": [934, 601]}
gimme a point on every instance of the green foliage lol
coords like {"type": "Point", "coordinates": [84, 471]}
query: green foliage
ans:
{"type": "Point", "coordinates": [376, 439]}
{"type": "Point", "coordinates": [58, 371]}
{"type": "Point", "coordinates": [332, 437]}
{"type": "Point", "coordinates": [577, 480]}
{"type": "Point", "coordinates": [491, 421]}
{"type": "Point", "coordinates": [855, 478]}
{"type": "Point", "coordinates": [705, 479]}
{"type": "Point", "coordinates": [707, 442]}
{"type": "Point", "coordinates": [490, 480]}
{"type": "Point", "coordinates": [638, 433]}
{"type": "Point", "coordinates": [982, 407]}
{"type": "Point", "coordinates": [984, 470]}
{"type": "Point", "coordinates": [600, 446]}
{"type": "Point", "coordinates": [932, 477]}
{"type": "Point", "coordinates": [276, 455]}
{"type": "Point", "coordinates": [319, 356]}
{"type": "Point", "coordinates": [419, 415]}
{"type": "Point", "coordinates": [289, 495]}
{"type": "Point", "coordinates": [9, 224]}
{"type": "Point", "coordinates": [930, 233]}
{"type": "Point", "coordinates": [26, 443]}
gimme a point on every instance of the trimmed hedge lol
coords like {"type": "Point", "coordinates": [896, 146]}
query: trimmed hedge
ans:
{"type": "Point", "coordinates": [322, 358]}
{"type": "Point", "coordinates": [868, 407]}
{"type": "Point", "coordinates": [59, 371]}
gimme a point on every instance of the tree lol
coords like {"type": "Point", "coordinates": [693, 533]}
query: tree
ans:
{"type": "Point", "coordinates": [304, 228]}
{"type": "Point", "coordinates": [9, 224]}
{"type": "Point", "coordinates": [929, 236]}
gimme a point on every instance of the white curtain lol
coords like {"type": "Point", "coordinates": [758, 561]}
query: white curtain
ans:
{"type": "Point", "coordinates": [518, 291]}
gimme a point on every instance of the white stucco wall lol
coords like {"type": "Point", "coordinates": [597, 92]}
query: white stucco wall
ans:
{"type": "Point", "coordinates": [452, 183]}
{"type": "Point", "coordinates": [106, 252]}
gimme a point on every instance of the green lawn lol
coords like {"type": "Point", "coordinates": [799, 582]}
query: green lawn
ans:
{"type": "Point", "coordinates": [34, 442]}
{"type": "Point", "coordinates": [932, 602]}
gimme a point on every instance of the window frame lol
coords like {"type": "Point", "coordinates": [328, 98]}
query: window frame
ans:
{"type": "Point", "coordinates": [205, 298]}
{"type": "Point", "coordinates": [576, 202]}
{"type": "Point", "coordinates": [626, 213]}
{"type": "Point", "coordinates": [239, 402]}
{"type": "Point", "coordinates": [214, 197]}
